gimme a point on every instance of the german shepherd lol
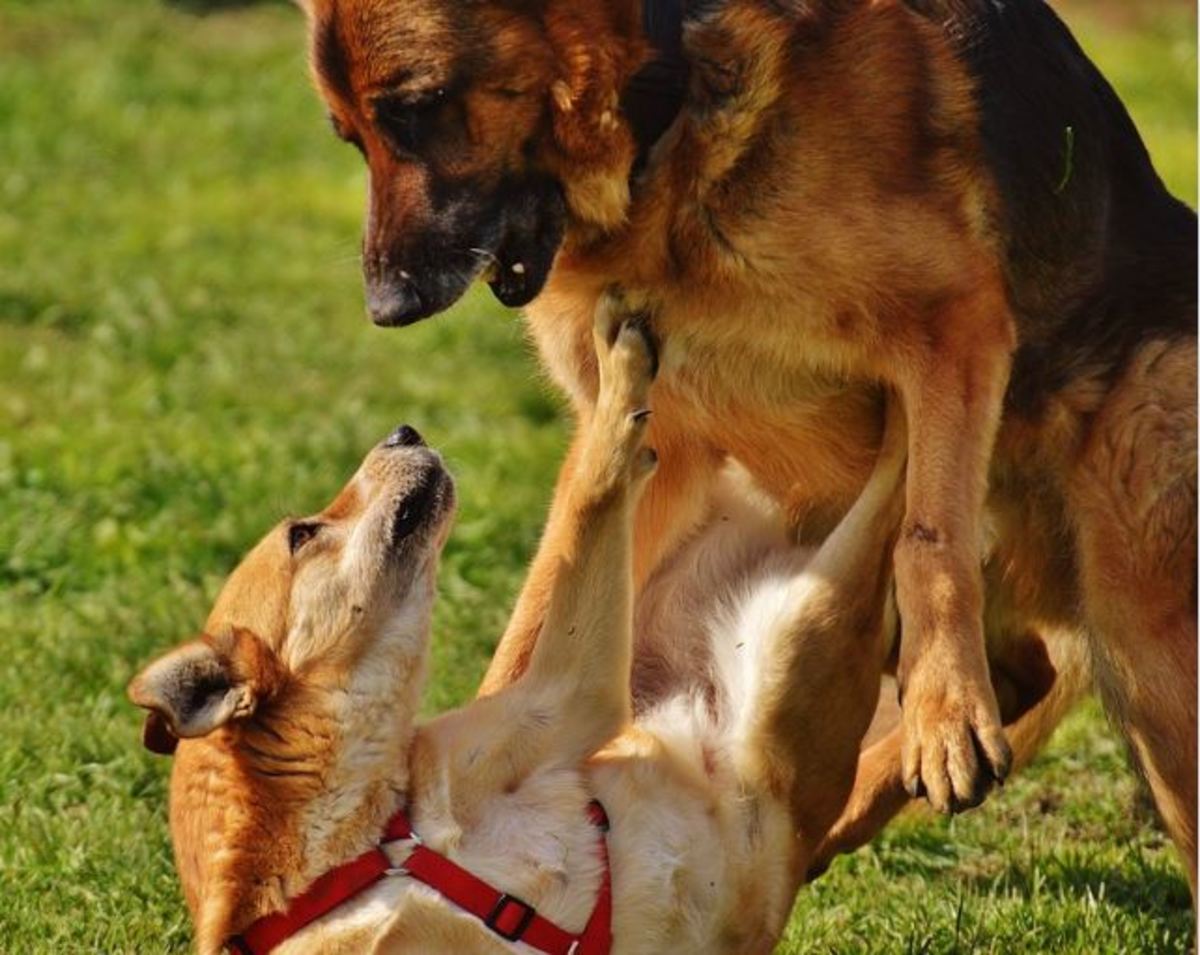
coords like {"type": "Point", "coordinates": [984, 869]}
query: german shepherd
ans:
{"type": "Point", "coordinates": [944, 197]}
{"type": "Point", "coordinates": [298, 708]}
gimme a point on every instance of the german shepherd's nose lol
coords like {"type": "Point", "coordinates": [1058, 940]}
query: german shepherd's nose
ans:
{"type": "Point", "coordinates": [394, 301]}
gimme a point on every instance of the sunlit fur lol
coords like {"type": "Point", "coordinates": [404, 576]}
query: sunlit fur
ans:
{"type": "Point", "coordinates": [717, 794]}
{"type": "Point", "coordinates": [331, 644]}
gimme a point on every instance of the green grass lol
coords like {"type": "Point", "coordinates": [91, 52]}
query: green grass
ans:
{"type": "Point", "coordinates": [183, 359]}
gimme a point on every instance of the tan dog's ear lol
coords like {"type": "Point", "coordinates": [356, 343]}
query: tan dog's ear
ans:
{"type": "Point", "coordinates": [202, 685]}
{"type": "Point", "coordinates": [157, 736]}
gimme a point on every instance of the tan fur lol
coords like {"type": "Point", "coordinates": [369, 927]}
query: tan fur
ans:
{"type": "Point", "coordinates": [261, 804]}
{"type": "Point", "coordinates": [717, 803]}
{"type": "Point", "coordinates": [1135, 482]}
{"type": "Point", "coordinates": [801, 431]}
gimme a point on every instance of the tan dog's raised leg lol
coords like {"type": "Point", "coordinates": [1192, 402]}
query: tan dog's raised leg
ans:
{"type": "Point", "coordinates": [1134, 497]}
{"type": "Point", "coordinates": [585, 650]}
{"type": "Point", "coordinates": [520, 636]}
{"type": "Point", "coordinates": [675, 498]}
{"type": "Point", "coordinates": [573, 696]}
{"type": "Point", "coordinates": [824, 657]}
{"type": "Point", "coordinates": [953, 742]}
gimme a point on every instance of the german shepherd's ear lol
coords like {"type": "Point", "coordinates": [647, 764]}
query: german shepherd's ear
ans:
{"type": "Point", "coordinates": [595, 148]}
{"type": "Point", "coordinates": [202, 685]}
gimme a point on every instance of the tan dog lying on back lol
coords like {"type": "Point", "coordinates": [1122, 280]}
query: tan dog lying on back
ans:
{"type": "Point", "coordinates": [297, 710]}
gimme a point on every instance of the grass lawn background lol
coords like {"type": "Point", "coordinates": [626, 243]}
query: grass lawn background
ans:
{"type": "Point", "coordinates": [184, 358]}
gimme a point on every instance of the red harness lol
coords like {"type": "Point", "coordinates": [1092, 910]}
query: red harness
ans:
{"type": "Point", "coordinates": [506, 915]}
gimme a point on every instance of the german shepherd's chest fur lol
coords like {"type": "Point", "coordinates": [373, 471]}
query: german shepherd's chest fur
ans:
{"type": "Point", "coordinates": [834, 181]}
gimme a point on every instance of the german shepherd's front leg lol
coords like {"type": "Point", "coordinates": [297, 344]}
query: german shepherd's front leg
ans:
{"type": "Point", "coordinates": [579, 669]}
{"type": "Point", "coordinates": [953, 394]}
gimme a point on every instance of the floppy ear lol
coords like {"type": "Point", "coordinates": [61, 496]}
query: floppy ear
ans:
{"type": "Point", "coordinates": [594, 146]}
{"type": "Point", "coordinates": [157, 736]}
{"type": "Point", "coordinates": [202, 685]}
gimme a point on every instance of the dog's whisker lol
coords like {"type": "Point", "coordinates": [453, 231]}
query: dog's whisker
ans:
{"type": "Point", "coordinates": [491, 267]}
{"type": "Point", "coordinates": [484, 254]}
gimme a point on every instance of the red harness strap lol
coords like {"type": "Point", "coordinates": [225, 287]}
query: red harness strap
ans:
{"type": "Point", "coordinates": [506, 915]}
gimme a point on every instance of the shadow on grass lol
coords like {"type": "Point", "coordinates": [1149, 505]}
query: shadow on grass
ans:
{"type": "Point", "coordinates": [1148, 890]}
{"type": "Point", "coordinates": [1140, 886]}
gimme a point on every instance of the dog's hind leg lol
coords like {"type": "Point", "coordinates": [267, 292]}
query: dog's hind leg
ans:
{"type": "Point", "coordinates": [1133, 498]}
{"type": "Point", "coordinates": [821, 651]}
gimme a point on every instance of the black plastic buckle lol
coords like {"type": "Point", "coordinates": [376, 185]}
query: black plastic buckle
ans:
{"type": "Point", "coordinates": [502, 904]}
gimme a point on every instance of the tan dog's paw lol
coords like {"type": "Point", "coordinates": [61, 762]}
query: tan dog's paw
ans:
{"type": "Point", "coordinates": [627, 361]}
{"type": "Point", "coordinates": [954, 745]}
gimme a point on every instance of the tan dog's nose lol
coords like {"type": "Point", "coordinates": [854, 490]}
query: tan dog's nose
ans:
{"type": "Point", "coordinates": [404, 436]}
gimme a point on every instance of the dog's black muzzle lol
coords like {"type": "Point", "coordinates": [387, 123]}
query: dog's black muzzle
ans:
{"type": "Point", "coordinates": [513, 238]}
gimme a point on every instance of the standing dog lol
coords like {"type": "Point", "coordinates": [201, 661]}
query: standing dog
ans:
{"type": "Point", "coordinates": [298, 706]}
{"type": "Point", "coordinates": [941, 195]}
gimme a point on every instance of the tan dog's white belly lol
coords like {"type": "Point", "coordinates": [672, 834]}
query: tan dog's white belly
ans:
{"type": "Point", "coordinates": [700, 863]}
{"type": "Point", "coordinates": [694, 868]}
{"type": "Point", "coordinates": [698, 866]}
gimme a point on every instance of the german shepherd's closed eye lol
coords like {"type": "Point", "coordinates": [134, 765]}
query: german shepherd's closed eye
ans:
{"type": "Point", "coordinates": [944, 196]}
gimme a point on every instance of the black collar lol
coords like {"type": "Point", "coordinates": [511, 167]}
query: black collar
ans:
{"type": "Point", "coordinates": [655, 95]}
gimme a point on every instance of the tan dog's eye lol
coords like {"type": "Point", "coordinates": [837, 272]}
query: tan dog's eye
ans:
{"type": "Point", "coordinates": [300, 534]}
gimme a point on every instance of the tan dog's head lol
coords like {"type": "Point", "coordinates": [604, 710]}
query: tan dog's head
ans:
{"type": "Point", "coordinates": [311, 598]}
{"type": "Point", "coordinates": [484, 124]}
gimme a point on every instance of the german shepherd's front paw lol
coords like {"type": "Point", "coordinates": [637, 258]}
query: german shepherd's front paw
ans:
{"type": "Point", "coordinates": [954, 746]}
{"type": "Point", "coordinates": [627, 362]}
